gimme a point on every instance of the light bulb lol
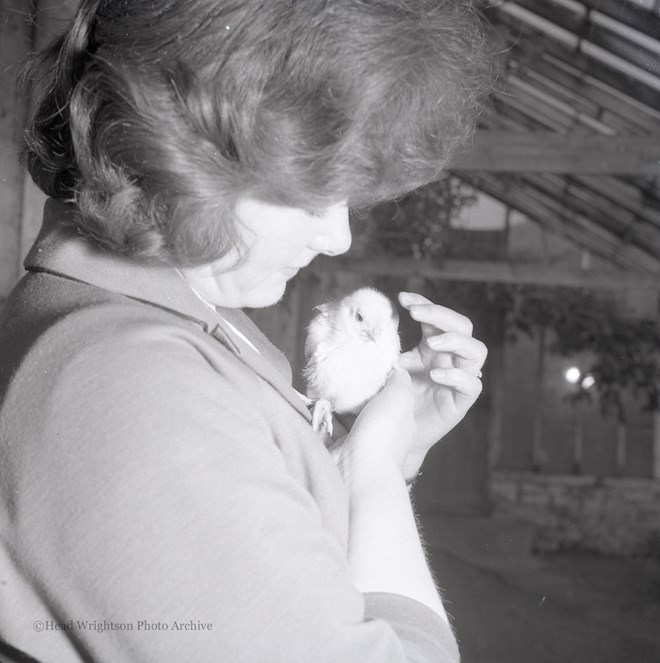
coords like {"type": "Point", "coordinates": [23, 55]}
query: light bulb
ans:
{"type": "Point", "coordinates": [588, 382]}
{"type": "Point", "coordinates": [572, 375]}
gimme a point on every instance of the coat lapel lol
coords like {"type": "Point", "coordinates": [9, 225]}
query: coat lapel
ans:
{"type": "Point", "coordinates": [60, 249]}
{"type": "Point", "coordinates": [269, 362]}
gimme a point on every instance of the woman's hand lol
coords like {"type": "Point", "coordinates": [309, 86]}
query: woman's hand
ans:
{"type": "Point", "coordinates": [445, 369]}
{"type": "Point", "coordinates": [384, 551]}
{"type": "Point", "coordinates": [382, 436]}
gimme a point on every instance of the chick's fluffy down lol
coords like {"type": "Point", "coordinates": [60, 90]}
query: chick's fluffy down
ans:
{"type": "Point", "coordinates": [351, 348]}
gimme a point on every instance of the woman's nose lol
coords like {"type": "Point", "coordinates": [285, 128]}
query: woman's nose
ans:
{"type": "Point", "coordinates": [335, 237]}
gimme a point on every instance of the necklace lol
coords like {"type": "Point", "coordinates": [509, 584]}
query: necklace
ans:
{"type": "Point", "coordinates": [214, 308]}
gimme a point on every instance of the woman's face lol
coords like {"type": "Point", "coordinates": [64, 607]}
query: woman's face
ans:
{"type": "Point", "coordinates": [280, 241]}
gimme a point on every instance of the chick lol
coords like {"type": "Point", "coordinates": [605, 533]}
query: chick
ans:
{"type": "Point", "coordinates": [351, 347]}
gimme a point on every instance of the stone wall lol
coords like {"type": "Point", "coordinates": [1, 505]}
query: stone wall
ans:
{"type": "Point", "coordinates": [612, 516]}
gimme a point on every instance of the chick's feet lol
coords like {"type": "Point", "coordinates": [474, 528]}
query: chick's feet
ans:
{"type": "Point", "coordinates": [322, 416]}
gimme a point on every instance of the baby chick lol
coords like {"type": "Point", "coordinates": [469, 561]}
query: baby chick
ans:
{"type": "Point", "coordinates": [351, 347]}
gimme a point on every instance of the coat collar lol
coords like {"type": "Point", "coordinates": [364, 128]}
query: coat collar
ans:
{"type": "Point", "coordinates": [60, 249]}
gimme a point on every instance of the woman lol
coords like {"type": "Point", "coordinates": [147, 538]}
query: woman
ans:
{"type": "Point", "coordinates": [163, 495]}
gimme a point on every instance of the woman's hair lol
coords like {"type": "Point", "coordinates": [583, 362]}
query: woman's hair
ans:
{"type": "Point", "coordinates": [156, 117]}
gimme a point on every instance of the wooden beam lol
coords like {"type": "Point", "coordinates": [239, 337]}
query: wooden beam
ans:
{"type": "Point", "coordinates": [536, 45]}
{"type": "Point", "coordinates": [656, 421]}
{"type": "Point", "coordinates": [632, 197]}
{"type": "Point", "coordinates": [556, 13]}
{"type": "Point", "coordinates": [577, 85]}
{"type": "Point", "coordinates": [626, 226]}
{"type": "Point", "coordinates": [551, 207]}
{"type": "Point", "coordinates": [554, 217]}
{"type": "Point", "coordinates": [629, 13]}
{"type": "Point", "coordinates": [16, 36]}
{"type": "Point", "coordinates": [546, 102]}
{"type": "Point", "coordinates": [623, 48]}
{"type": "Point", "coordinates": [640, 199]}
{"type": "Point", "coordinates": [517, 110]}
{"type": "Point", "coordinates": [545, 117]}
{"type": "Point", "coordinates": [514, 272]}
{"type": "Point", "coordinates": [585, 25]}
{"type": "Point", "coordinates": [548, 152]}
{"type": "Point", "coordinates": [656, 446]}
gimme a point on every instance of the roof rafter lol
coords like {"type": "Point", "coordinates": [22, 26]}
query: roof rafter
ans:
{"type": "Point", "coordinates": [574, 84]}
{"type": "Point", "coordinates": [572, 140]}
{"type": "Point", "coordinates": [593, 27]}
{"type": "Point", "coordinates": [549, 152]}
{"type": "Point", "coordinates": [554, 217]}
{"type": "Point", "coordinates": [536, 43]}
{"type": "Point", "coordinates": [629, 14]}
{"type": "Point", "coordinates": [510, 271]}
{"type": "Point", "coordinates": [626, 226]}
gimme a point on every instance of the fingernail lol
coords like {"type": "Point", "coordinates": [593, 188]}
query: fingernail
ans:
{"type": "Point", "coordinates": [436, 342]}
{"type": "Point", "coordinates": [438, 374]}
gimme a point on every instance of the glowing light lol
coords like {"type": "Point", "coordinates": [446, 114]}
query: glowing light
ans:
{"type": "Point", "coordinates": [572, 375]}
{"type": "Point", "coordinates": [588, 382]}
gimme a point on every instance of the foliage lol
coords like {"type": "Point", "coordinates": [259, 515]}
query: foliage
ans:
{"type": "Point", "coordinates": [417, 225]}
{"type": "Point", "coordinates": [625, 352]}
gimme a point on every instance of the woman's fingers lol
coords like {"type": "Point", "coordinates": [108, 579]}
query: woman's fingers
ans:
{"type": "Point", "coordinates": [435, 315]}
{"type": "Point", "coordinates": [442, 318]}
{"type": "Point", "coordinates": [408, 299]}
{"type": "Point", "coordinates": [461, 381]}
{"type": "Point", "coordinates": [454, 346]}
{"type": "Point", "coordinates": [467, 348]}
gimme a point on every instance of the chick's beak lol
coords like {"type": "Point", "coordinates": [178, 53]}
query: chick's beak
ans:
{"type": "Point", "coordinates": [369, 334]}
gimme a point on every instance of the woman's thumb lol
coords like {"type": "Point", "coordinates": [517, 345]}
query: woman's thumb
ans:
{"type": "Point", "coordinates": [399, 377]}
{"type": "Point", "coordinates": [398, 384]}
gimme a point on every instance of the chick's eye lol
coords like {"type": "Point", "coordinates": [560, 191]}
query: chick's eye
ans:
{"type": "Point", "coordinates": [358, 316]}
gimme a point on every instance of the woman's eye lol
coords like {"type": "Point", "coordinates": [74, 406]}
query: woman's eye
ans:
{"type": "Point", "coordinates": [318, 213]}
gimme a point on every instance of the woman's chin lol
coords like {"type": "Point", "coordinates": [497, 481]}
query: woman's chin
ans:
{"type": "Point", "coordinates": [266, 295]}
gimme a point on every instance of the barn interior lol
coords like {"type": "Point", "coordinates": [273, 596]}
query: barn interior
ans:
{"type": "Point", "coordinates": [542, 509]}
